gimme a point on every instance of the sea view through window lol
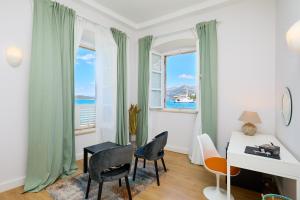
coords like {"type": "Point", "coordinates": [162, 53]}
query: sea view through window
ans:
{"type": "Point", "coordinates": [180, 81]}
{"type": "Point", "coordinates": [85, 90]}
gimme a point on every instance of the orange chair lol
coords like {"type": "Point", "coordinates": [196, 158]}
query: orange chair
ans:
{"type": "Point", "coordinates": [214, 163]}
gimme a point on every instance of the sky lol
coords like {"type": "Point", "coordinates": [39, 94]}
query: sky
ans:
{"type": "Point", "coordinates": [181, 70]}
{"type": "Point", "coordinates": [85, 72]}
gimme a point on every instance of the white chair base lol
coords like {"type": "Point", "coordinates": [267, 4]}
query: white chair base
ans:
{"type": "Point", "coordinates": [212, 193]}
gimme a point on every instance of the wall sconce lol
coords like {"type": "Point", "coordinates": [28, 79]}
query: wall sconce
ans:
{"type": "Point", "coordinates": [14, 56]}
{"type": "Point", "coordinates": [293, 37]}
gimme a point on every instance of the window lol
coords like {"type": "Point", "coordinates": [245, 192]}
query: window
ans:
{"type": "Point", "coordinates": [85, 89]}
{"type": "Point", "coordinates": [156, 81]}
{"type": "Point", "coordinates": [173, 81]}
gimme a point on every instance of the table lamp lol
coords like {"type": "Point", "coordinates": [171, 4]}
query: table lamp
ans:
{"type": "Point", "coordinates": [250, 119]}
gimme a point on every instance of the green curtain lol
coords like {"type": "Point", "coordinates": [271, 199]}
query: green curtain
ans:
{"type": "Point", "coordinates": [143, 89]}
{"type": "Point", "coordinates": [121, 41]}
{"type": "Point", "coordinates": [51, 151]}
{"type": "Point", "coordinates": [207, 34]}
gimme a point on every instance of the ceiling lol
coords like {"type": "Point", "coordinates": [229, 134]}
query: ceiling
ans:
{"type": "Point", "coordinates": [144, 13]}
{"type": "Point", "coordinates": [139, 11]}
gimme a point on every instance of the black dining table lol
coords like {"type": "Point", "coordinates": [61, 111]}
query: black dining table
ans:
{"type": "Point", "coordinates": [94, 149]}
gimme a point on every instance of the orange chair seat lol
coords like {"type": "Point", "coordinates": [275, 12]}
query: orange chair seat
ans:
{"type": "Point", "coordinates": [220, 165]}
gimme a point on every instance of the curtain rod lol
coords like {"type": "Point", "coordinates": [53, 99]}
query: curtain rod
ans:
{"type": "Point", "coordinates": [76, 13]}
{"type": "Point", "coordinates": [85, 18]}
{"type": "Point", "coordinates": [97, 24]}
{"type": "Point", "coordinates": [90, 21]}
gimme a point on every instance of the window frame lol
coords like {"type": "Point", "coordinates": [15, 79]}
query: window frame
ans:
{"type": "Point", "coordinates": [84, 46]}
{"type": "Point", "coordinates": [164, 78]}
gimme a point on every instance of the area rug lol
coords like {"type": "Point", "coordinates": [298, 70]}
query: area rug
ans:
{"type": "Point", "coordinates": [73, 188]}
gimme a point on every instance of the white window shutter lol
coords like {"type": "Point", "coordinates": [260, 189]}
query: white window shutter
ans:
{"type": "Point", "coordinates": [156, 84]}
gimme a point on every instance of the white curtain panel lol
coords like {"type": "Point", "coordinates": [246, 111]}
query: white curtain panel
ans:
{"type": "Point", "coordinates": [79, 27]}
{"type": "Point", "coordinates": [195, 154]}
{"type": "Point", "coordinates": [106, 84]}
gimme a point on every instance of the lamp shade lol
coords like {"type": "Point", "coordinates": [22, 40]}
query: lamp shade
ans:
{"type": "Point", "coordinates": [251, 117]}
{"type": "Point", "coordinates": [293, 37]}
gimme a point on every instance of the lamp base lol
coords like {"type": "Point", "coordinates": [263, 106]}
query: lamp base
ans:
{"type": "Point", "coordinates": [249, 129]}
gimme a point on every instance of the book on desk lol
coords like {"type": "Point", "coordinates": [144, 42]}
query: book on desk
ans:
{"type": "Point", "coordinates": [256, 151]}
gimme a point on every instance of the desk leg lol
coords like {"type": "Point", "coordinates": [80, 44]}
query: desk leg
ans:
{"type": "Point", "coordinates": [228, 181]}
{"type": "Point", "coordinates": [85, 161]}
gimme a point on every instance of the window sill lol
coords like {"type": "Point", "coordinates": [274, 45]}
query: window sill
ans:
{"type": "Point", "coordinates": [84, 131]}
{"type": "Point", "coordinates": [185, 111]}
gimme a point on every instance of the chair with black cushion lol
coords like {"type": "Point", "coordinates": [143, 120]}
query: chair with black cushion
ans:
{"type": "Point", "coordinates": [164, 134]}
{"type": "Point", "coordinates": [152, 151]}
{"type": "Point", "coordinates": [110, 165]}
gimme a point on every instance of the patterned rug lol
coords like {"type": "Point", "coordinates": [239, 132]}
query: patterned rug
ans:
{"type": "Point", "coordinates": [73, 188]}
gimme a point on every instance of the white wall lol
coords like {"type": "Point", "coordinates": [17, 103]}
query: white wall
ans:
{"type": "Point", "coordinates": [179, 125]}
{"type": "Point", "coordinates": [246, 45]}
{"type": "Point", "coordinates": [287, 75]}
{"type": "Point", "coordinates": [16, 25]}
{"type": "Point", "coordinates": [15, 20]}
{"type": "Point", "coordinates": [82, 141]}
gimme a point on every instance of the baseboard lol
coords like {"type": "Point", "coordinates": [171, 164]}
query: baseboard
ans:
{"type": "Point", "coordinates": [79, 156]}
{"type": "Point", "coordinates": [7, 185]}
{"type": "Point", "coordinates": [177, 149]}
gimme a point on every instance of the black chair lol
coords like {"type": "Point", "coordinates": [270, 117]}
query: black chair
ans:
{"type": "Point", "coordinates": [152, 151]}
{"type": "Point", "coordinates": [110, 165]}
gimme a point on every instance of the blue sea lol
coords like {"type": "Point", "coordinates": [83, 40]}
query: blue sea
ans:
{"type": "Point", "coordinates": [175, 105]}
{"type": "Point", "coordinates": [85, 101]}
{"type": "Point", "coordinates": [170, 104]}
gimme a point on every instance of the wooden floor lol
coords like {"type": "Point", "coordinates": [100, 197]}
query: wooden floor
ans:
{"type": "Point", "coordinates": [183, 181]}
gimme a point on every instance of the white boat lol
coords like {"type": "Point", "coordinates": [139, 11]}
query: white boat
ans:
{"type": "Point", "coordinates": [184, 98]}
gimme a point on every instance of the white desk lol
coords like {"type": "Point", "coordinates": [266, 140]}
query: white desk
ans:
{"type": "Point", "coordinates": [287, 166]}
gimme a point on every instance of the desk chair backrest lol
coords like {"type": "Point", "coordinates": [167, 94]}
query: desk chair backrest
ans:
{"type": "Point", "coordinates": [154, 149]}
{"type": "Point", "coordinates": [110, 158]}
{"type": "Point", "coordinates": [165, 135]}
{"type": "Point", "coordinates": [207, 147]}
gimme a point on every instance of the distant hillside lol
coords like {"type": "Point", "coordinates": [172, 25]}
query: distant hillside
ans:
{"type": "Point", "coordinates": [83, 97]}
{"type": "Point", "coordinates": [180, 90]}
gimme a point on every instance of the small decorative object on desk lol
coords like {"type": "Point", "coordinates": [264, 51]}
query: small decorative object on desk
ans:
{"type": "Point", "coordinates": [265, 150]}
{"type": "Point", "coordinates": [133, 113]}
{"type": "Point", "coordinates": [270, 148]}
{"type": "Point", "coordinates": [274, 197]}
{"type": "Point", "coordinates": [250, 119]}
